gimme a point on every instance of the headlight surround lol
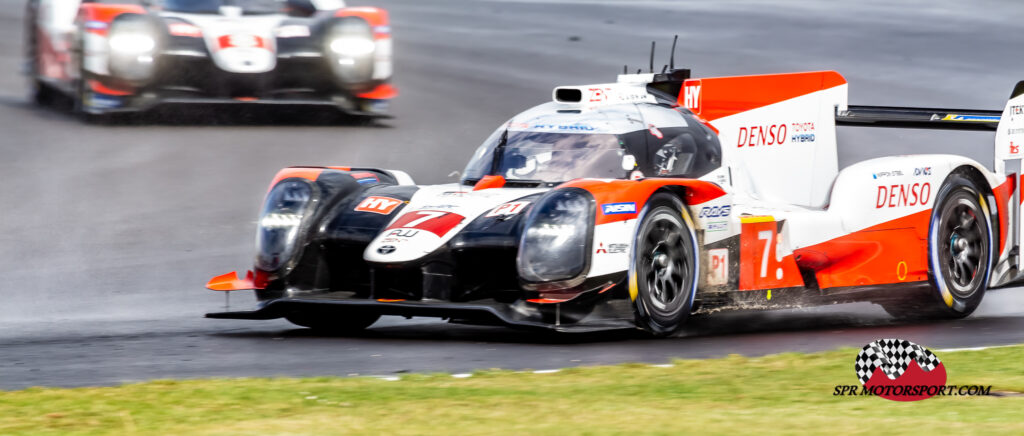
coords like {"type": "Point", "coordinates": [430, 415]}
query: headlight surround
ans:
{"type": "Point", "coordinates": [286, 208]}
{"type": "Point", "coordinates": [555, 242]}
{"type": "Point", "coordinates": [132, 43]}
{"type": "Point", "coordinates": [350, 49]}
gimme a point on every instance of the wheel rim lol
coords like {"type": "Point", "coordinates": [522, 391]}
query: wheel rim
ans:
{"type": "Point", "coordinates": [665, 266]}
{"type": "Point", "coordinates": [963, 247]}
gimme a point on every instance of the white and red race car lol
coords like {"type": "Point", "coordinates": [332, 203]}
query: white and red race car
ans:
{"type": "Point", "coordinates": [639, 202]}
{"type": "Point", "coordinates": [129, 56]}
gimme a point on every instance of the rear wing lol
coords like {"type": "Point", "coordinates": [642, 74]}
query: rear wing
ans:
{"type": "Point", "coordinates": [920, 118]}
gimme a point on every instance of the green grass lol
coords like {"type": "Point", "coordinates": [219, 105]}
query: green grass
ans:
{"type": "Point", "coordinates": [780, 394]}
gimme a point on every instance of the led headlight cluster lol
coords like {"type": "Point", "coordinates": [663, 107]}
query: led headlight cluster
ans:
{"type": "Point", "coordinates": [280, 222]}
{"type": "Point", "coordinates": [350, 49]}
{"type": "Point", "coordinates": [133, 43]}
{"type": "Point", "coordinates": [556, 239]}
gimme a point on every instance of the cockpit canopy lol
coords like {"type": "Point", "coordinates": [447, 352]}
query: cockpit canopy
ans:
{"type": "Point", "coordinates": [549, 145]}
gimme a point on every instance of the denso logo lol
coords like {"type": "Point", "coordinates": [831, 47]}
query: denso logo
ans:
{"type": "Point", "coordinates": [381, 205]}
{"type": "Point", "coordinates": [773, 134]}
{"type": "Point", "coordinates": [904, 195]}
{"type": "Point", "coordinates": [714, 211]}
{"type": "Point", "coordinates": [617, 208]}
{"type": "Point", "coordinates": [691, 95]}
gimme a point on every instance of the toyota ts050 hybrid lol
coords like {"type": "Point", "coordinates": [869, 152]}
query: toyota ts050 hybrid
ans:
{"type": "Point", "coordinates": [640, 202]}
{"type": "Point", "coordinates": [130, 56]}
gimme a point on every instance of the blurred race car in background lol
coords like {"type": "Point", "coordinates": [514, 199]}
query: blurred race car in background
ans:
{"type": "Point", "coordinates": [639, 202]}
{"type": "Point", "coordinates": [126, 57]}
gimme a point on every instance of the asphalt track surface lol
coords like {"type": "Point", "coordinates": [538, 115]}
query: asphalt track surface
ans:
{"type": "Point", "coordinates": [108, 233]}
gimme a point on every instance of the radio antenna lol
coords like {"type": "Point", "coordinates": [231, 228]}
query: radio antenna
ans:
{"type": "Point", "coordinates": [672, 57]}
{"type": "Point", "coordinates": [652, 57]}
{"type": "Point", "coordinates": [625, 69]}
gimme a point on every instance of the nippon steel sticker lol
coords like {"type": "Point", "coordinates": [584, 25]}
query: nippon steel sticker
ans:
{"type": "Point", "coordinates": [618, 208]}
{"type": "Point", "coordinates": [381, 205]}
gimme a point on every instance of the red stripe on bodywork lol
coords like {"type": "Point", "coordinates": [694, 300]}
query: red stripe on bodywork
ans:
{"type": "Point", "coordinates": [1002, 194]}
{"type": "Point", "coordinates": [892, 252]}
{"type": "Point", "coordinates": [717, 97]}
{"type": "Point", "coordinates": [105, 13]}
{"type": "Point", "coordinates": [308, 173]}
{"type": "Point", "coordinates": [638, 191]}
{"type": "Point", "coordinates": [383, 91]}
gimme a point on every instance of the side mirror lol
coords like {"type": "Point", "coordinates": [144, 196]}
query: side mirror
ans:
{"type": "Point", "coordinates": [628, 162]}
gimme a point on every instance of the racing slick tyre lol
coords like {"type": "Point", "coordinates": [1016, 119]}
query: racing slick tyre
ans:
{"type": "Point", "coordinates": [334, 323]}
{"type": "Point", "coordinates": [664, 269]}
{"type": "Point", "coordinates": [959, 254]}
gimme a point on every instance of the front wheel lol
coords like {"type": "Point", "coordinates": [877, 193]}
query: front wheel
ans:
{"type": "Point", "coordinates": [665, 267]}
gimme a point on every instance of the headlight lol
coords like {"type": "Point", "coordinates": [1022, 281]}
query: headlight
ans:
{"type": "Point", "coordinates": [350, 50]}
{"type": "Point", "coordinates": [280, 222]}
{"type": "Point", "coordinates": [556, 239]}
{"type": "Point", "coordinates": [133, 45]}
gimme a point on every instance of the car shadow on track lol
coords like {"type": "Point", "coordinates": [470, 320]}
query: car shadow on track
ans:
{"type": "Point", "coordinates": [203, 115]}
{"type": "Point", "coordinates": [701, 326]}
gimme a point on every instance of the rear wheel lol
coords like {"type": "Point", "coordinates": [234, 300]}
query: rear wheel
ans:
{"type": "Point", "coordinates": [334, 323]}
{"type": "Point", "coordinates": [959, 254]}
{"type": "Point", "coordinates": [664, 271]}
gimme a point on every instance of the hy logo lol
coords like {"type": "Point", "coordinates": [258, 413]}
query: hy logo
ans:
{"type": "Point", "coordinates": [897, 370]}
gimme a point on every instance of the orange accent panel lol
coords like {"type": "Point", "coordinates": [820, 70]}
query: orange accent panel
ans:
{"type": "Point", "coordinates": [231, 282]}
{"type": "Point", "coordinates": [892, 252]}
{"type": "Point", "coordinates": [105, 13]}
{"type": "Point", "coordinates": [638, 191]}
{"type": "Point", "coordinates": [377, 18]}
{"type": "Point", "coordinates": [1002, 194]}
{"type": "Point", "coordinates": [546, 300]}
{"type": "Point", "coordinates": [383, 91]}
{"type": "Point", "coordinates": [103, 89]}
{"type": "Point", "coordinates": [488, 182]}
{"type": "Point", "coordinates": [390, 300]}
{"type": "Point", "coordinates": [761, 265]}
{"type": "Point", "coordinates": [716, 97]}
{"type": "Point", "coordinates": [308, 173]}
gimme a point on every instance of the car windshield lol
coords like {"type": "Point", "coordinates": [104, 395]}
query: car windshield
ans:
{"type": "Point", "coordinates": [213, 6]}
{"type": "Point", "coordinates": [549, 157]}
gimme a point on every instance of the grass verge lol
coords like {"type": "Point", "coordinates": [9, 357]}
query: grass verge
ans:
{"type": "Point", "coordinates": [780, 394]}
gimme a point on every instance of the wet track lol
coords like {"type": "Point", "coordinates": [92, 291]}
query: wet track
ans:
{"type": "Point", "coordinates": [108, 233]}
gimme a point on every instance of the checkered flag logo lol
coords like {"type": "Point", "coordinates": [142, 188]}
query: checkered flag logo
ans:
{"type": "Point", "coordinates": [893, 356]}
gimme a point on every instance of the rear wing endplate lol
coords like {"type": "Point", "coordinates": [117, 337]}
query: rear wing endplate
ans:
{"type": "Point", "coordinates": [919, 118]}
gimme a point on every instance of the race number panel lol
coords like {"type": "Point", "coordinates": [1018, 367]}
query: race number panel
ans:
{"type": "Point", "coordinates": [763, 265]}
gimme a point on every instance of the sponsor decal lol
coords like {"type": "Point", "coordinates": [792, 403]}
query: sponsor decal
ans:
{"type": "Point", "coordinates": [718, 274]}
{"type": "Point", "coordinates": [717, 226]}
{"type": "Point", "coordinates": [292, 31]}
{"type": "Point", "coordinates": [433, 221]}
{"type": "Point", "coordinates": [184, 29]}
{"type": "Point", "coordinates": [241, 41]}
{"type": "Point", "coordinates": [612, 248]}
{"type": "Point", "coordinates": [565, 127]}
{"type": "Point", "coordinates": [1014, 131]}
{"type": "Point", "coordinates": [402, 233]}
{"type": "Point", "coordinates": [636, 175]}
{"type": "Point", "coordinates": [386, 249]}
{"type": "Point", "coordinates": [95, 25]}
{"type": "Point", "coordinates": [1017, 110]}
{"type": "Point", "coordinates": [958, 117]}
{"type": "Point", "coordinates": [769, 134]}
{"type": "Point", "coordinates": [365, 178]}
{"type": "Point", "coordinates": [381, 205]}
{"type": "Point", "coordinates": [691, 95]}
{"type": "Point", "coordinates": [900, 370]}
{"type": "Point", "coordinates": [802, 132]}
{"type": "Point", "coordinates": [508, 209]}
{"type": "Point", "coordinates": [104, 101]}
{"type": "Point", "coordinates": [714, 212]}
{"type": "Point", "coordinates": [923, 171]}
{"type": "Point", "coordinates": [905, 195]}
{"type": "Point", "coordinates": [1014, 148]}
{"type": "Point", "coordinates": [654, 131]}
{"type": "Point", "coordinates": [894, 173]}
{"type": "Point", "coordinates": [618, 208]}
{"type": "Point", "coordinates": [453, 194]}
{"type": "Point", "coordinates": [381, 29]}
